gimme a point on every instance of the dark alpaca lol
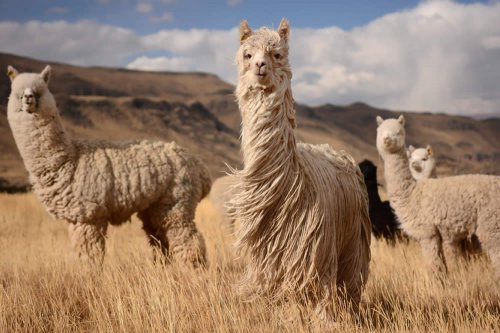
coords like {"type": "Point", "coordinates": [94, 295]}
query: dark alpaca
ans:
{"type": "Point", "coordinates": [384, 222]}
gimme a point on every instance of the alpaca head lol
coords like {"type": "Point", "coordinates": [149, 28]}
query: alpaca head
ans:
{"type": "Point", "coordinates": [390, 135]}
{"type": "Point", "coordinates": [262, 58]}
{"type": "Point", "coordinates": [30, 96]}
{"type": "Point", "coordinates": [422, 162]}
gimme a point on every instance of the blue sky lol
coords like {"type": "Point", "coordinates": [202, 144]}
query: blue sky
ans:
{"type": "Point", "coordinates": [432, 55]}
{"type": "Point", "coordinates": [147, 16]}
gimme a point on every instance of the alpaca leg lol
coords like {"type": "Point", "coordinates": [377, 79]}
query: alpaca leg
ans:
{"type": "Point", "coordinates": [186, 243]}
{"type": "Point", "coordinates": [170, 226]}
{"type": "Point", "coordinates": [470, 247]}
{"type": "Point", "coordinates": [432, 250]}
{"type": "Point", "coordinates": [451, 252]}
{"type": "Point", "coordinates": [490, 242]}
{"type": "Point", "coordinates": [324, 302]}
{"type": "Point", "coordinates": [494, 254]}
{"type": "Point", "coordinates": [156, 235]}
{"type": "Point", "coordinates": [350, 286]}
{"type": "Point", "coordinates": [88, 241]}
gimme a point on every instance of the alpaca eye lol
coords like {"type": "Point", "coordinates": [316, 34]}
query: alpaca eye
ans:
{"type": "Point", "coordinates": [424, 159]}
{"type": "Point", "coordinates": [277, 56]}
{"type": "Point", "coordinates": [248, 56]}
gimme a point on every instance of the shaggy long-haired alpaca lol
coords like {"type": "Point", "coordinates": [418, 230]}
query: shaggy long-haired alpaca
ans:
{"type": "Point", "coordinates": [303, 208]}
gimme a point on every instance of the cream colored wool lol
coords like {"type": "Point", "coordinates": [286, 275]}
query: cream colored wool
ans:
{"type": "Point", "coordinates": [423, 166]}
{"type": "Point", "coordinates": [422, 162]}
{"type": "Point", "coordinates": [222, 191]}
{"type": "Point", "coordinates": [303, 208]}
{"type": "Point", "coordinates": [93, 183]}
{"type": "Point", "coordinates": [439, 213]}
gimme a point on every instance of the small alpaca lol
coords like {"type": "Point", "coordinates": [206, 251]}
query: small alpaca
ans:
{"type": "Point", "coordinates": [222, 191]}
{"type": "Point", "coordinates": [422, 162]}
{"type": "Point", "coordinates": [439, 213]}
{"type": "Point", "coordinates": [92, 183]}
{"type": "Point", "coordinates": [384, 222]}
{"type": "Point", "coordinates": [303, 208]}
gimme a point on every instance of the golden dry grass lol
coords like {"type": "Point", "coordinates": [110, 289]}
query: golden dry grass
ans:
{"type": "Point", "coordinates": [43, 289]}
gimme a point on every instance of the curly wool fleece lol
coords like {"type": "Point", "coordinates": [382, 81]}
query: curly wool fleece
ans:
{"type": "Point", "coordinates": [93, 183]}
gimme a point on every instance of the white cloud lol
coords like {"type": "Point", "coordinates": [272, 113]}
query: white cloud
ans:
{"type": "Point", "coordinates": [144, 7]}
{"type": "Point", "coordinates": [167, 17]}
{"type": "Point", "coordinates": [438, 56]}
{"type": "Point", "coordinates": [162, 64]}
{"type": "Point", "coordinates": [207, 50]}
{"type": "Point", "coordinates": [81, 43]}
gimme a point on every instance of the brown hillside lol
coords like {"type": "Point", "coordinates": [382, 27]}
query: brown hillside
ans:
{"type": "Point", "coordinates": [199, 112]}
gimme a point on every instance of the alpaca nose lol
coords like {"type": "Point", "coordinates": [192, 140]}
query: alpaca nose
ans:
{"type": "Point", "coordinates": [415, 165]}
{"type": "Point", "coordinates": [260, 63]}
{"type": "Point", "coordinates": [387, 140]}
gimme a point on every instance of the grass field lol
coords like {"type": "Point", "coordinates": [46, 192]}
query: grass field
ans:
{"type": "Point", "coordinates": [43, 289]}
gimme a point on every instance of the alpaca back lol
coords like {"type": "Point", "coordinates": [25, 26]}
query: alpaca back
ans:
{"type": "Point", "coordinates": [464, 202]}
{"type": "Point", "coordinates": [112, 180]}
{"type": "Point", "coordinates": [346, 206]}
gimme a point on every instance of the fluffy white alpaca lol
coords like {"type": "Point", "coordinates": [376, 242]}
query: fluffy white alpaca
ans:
{"type": "Point", "coordinates": [423, 166]}
{"type": "Point", "coordinates": [303, 208]}
{"type": "Point", "coordinates": [439, 212]}
{"type": "Point", "coordinates": [422, 162]}
{"type": "Point", "coordinates": [93, 183]}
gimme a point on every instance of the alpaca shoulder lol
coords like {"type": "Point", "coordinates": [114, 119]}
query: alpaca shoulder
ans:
{"type": "Point", "coordinates": [339, 159]}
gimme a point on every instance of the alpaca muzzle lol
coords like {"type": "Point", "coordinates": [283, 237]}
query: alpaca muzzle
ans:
{"type": "Point", "coordinates": [416, 166]}
{"type": "Point", "coordinates": [387, 141]}
{"type": "Point", "coordinates": [28, 101]}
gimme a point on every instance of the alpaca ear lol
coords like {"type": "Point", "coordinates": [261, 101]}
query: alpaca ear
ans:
{"type": "Point", "coordinates": [379, 120]}
{"type": "Point", "coordinates": [409, 151]}
{"type": "Point", "coordinates": [12, 73]}
{"type": "Point", "coordinates": [401, 120]}
{"type": "Point", "coordinates": [284, 29]}
{"type": "Point", "coordinates": [245, 31]}
{"type": "Point", "coordinates": [45, 74]}
{"type": "Point", "coordinates": [429, 150]}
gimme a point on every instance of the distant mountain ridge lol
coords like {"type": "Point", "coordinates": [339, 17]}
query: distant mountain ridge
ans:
{"type": "Point", "coordinates": [199, 111]}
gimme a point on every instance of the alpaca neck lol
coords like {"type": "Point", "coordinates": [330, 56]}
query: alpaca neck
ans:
{"type": "Point", "coordinates": [398, 178]}
{"type": "Point", "coordinates": [433, 173]}
{"type": "Point", "coordinates": [44, 146]}
{"type": "Point", "coordinates": [268, 140]}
